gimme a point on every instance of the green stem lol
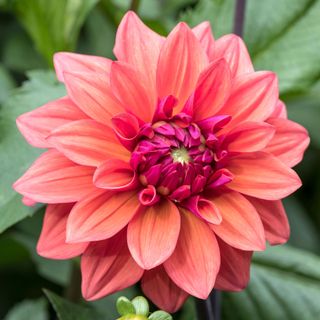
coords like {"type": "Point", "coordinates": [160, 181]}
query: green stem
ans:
{"type": "Point", "coordinates": [73, 290]}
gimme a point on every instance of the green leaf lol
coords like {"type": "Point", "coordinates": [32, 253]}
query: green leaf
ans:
{"type": "Point", "coordinates": [284, 36]}
{"type": "Point", "coordinates": [67, 310]}
{"type": "Point", "coordinates": [53, 25]}
{"type": "Point", "coordinates": [15, 154]}
{"type": "Point", "coordinates": [27, 309]}
{"type": "Point", "coordinates": [285, 284]}
{"type": "Point", "coordinates": [141, 305]}
{"type": "Point", "coordinates": [160, 315]}
{"type": "Point", "coordinates": [125, 306]}
{"type": "Point", "coordinates": [6, 84]}
{"type": "Point", "coordinates": [219, 12]}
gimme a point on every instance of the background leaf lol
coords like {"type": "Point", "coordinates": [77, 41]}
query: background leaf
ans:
{"type": "Point", "coordinates": [25, 310]}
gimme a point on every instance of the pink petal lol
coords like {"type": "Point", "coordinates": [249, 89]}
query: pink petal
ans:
{"type": "Point", "coordinates": [196, 260]}
{"type": "Point", "coordinates": [234, 273]}
{"type": "Point", "coordinates": [180, 62]}
{"type": "Point", "coordinates": [290, 141]}
{"type": "Point", "coordinates": [107, 267]}
{"type": "Point", "coordinates": [241, 226]}
{"type": "Point", "coordinates": [249, 137]}
{"type": "Point", "coordinates": [262, 175]}
{"type": "Point", "coordinates": [114, 174]}
{"type": "Point", "coordinates": [162, 291]}
{"type": "Point", "coordinates": [101, 215]}
{"type": "Point", "coordinates": [204, 33]}
{"type": "Point", "coordinates": [280, 111]}
{"type": "Point", "coordinates": [153, 234]}
{"type": "Point", "coordinates": [91, 92]}
{"type": "Point", "coordinates": [138, 46]}
{"type": "Point", "coordinates": [36, 125]}
{"type": "Point", "coordinates": [53, 178]}
{"type": "Point", "coordinates": [52, 242]}
{"type": "Point", "coordinates": [234, 51]}
{"type": "Point", "coordinates": [213, 89]}
{"type": "Point", "coordinates": [134, 92]}
{"type": "Point", "coordinates": [74, 62]}
{"type": "Point", "coordinates": [274, 220]}
{"type": "Point", "coordinates": [87, 142]}
{"type": "Point", "coordinates": [253, 97]}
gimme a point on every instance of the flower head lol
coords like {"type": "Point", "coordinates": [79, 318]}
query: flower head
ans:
{"type": "Point", "coordinates": [167, 165]}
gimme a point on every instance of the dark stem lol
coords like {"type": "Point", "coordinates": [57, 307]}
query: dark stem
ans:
{"type": "Point", "coordinates": [134, 5]}
{"type": "Point", "coordinates": [73, 290]}
{"type": "Point", "coordinates": [209, 309]}
{"type": "Point", "coordinates": [239, 17]}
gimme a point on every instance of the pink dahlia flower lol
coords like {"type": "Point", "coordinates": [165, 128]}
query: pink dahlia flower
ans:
{"type": "Point", "coordinates": [166, 166]}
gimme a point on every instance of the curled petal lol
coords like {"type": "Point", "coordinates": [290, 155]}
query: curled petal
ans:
{"type": "Point", "coordinates": [197, 254]}
{"type": "Point", "coordinates": [107, 267]}
{"type": "Point", "coordinates": [36, 125]}
{"type": "Point", "coordinates": [75, 62]}
{"type": "Point", "coordinates": [115, 174]}
{"type": "Point", "coordinates": [150, 240]}
{"type": "Point", "coordinates": [53, 178]}
{"type": "Point", "coordinates": [274, 220]}
{"type": "Point", "coordinates": [87, 142]}
{"type": "Point", "coordinates": [204, 33]}
{"type": "Point", "coordinates": [262, 175]}
{"type": "Point", "coordinates": [241, 226]}
{"type": "Point", "coordinates": [52, 242]}
{"type": "Point", "coordinates": [234, 273]}
{"type": "Point", "coordinates": [149, 196]}
{"type": "Point", "coordinates": [289, 142]}
{"type": "Point", "coordinates": [220, 178]}
{"type": "Point", "coordinates": [164, 108]}
{"type": "Point", "coordinates": [101, 215]}
{"type": "Point", "coordinates": [162, 291]}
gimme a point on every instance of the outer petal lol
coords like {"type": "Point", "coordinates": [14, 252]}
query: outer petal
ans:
{"type": "Point", "coordinates": [196, 260]}
{"type": "Point", "coordinates": [280, 111]}
{"type": "Point", "coordinates": [249, 137]}
{"type": "Point", "coordinates": [162, 291]}
{"type": "Point", "coordinates": [234, 51]}
{"type": "Point", "coordinates": [153, 234]}
{"type": "Point", "coordinates": [91, 92]}
{"type": "Point", "coordinates": [52, 242]}
{"type": "Point", "coordinates": [241, 226]}
{"type": "Point", "coordinates": [234, 273]}
{"type": "Point", "coordinates": [36, 125]}
{"type": "Point", "coordinates": [138, 46]}
{"type": "Point", "coordinates": [180, 62]}
{"type": "Point", "coordinates": [253, 97]}
{"type": "Point", "coordinates": [213, 89]}
{"type": "Point", "coordinates": [107, 267]}
{"type": "Point", "coordinates": [75, 62]}
{"type": "Point", "coordinates": [134, 92]}
{"type": "Point", "coordinates": [289, 142]}
{"type": "Point", "coordinates": [204, 33]}
{"type": "Point", "coordinates": [274, 220]}
{"type": "Point", "coordinates": [262, 176]}
{"type": "Point", "coordinates": [101, 215]}
{"type": "Point", "coordinates": [55, 179]}
{"type": "Point", "coordinates": [87, 142]}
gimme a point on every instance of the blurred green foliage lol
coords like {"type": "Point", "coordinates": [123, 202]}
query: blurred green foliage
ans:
{"type": "Point", "coordinates": [282, 36]}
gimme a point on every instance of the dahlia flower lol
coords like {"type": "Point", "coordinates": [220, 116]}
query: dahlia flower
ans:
{"type": "Point", "coordinates": [167, 165]}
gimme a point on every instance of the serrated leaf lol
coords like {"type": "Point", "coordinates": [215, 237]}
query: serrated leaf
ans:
{"type": "Point", "coordinates": [160, 315]}
{"type": "Point", "coordinates": [67, 310]}
{"type": "Point", "coordinates": [27, 309]}
{"type": "Point", "coordinates": [125, 306]}
{"type": "Point", "coordinates": [285, 284]}
{"type": "Point", "coordinates": [141, 305]}
{"type": "Point", "coordinates": [15, 154]}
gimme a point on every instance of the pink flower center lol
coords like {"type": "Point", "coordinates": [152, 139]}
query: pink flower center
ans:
{"type": "Point", "coordinates": [178, 160]}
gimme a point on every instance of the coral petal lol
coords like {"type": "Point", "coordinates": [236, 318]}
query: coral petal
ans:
{"type": "Point", "coordinates": [107, 267]}
{"type": "Point", "coordinates": [204, 33]}
{"type": "Point", "coordinates": [262, 175]}
{"type": "Point", "coordinates": [280, 111]}
{"type": "Point", "coordinates": [53, 178]}
{"type": "Point", "coordinates": [196, 260]}
{"type": "Point", "coordinates": [241, 226]}
{"type": "Point", "coordinates": [52, 242]}
{"type": "Point", "coordinates": [101, 215]}
{"type": "Point", "coordinates": [162, 291]}
{"type": "Point", "coordinates": [150, 240]}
